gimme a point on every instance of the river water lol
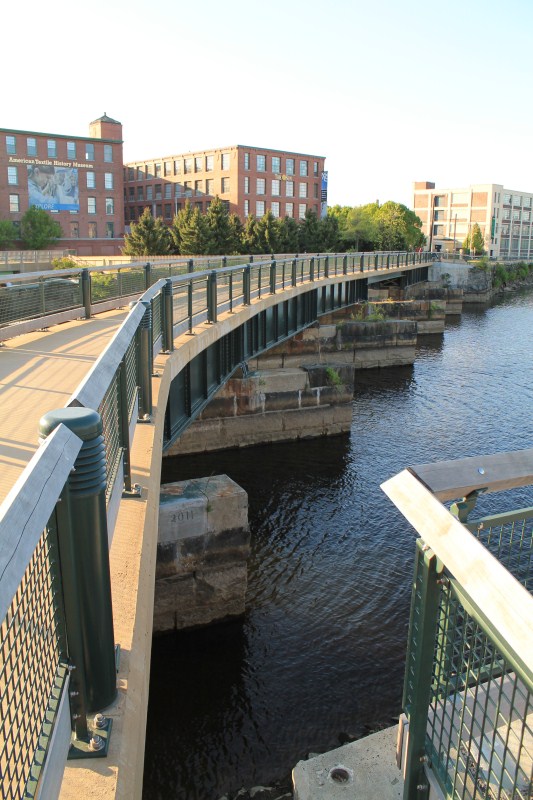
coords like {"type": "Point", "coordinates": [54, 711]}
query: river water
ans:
{"type": "Point", "coordinates": [319, 656]}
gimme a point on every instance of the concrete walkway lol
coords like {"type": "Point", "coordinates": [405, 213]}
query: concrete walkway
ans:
{"type": "Point", "coordinates": [38, 373]}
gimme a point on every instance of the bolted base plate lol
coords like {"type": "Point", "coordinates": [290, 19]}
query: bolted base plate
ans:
{"type": "Point", "coordinates": [82, 749]}
{"type": "Point", "coordinates": [135, 491]}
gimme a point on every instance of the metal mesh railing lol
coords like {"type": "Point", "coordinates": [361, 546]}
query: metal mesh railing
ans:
{"type": "Point", "coordinates": [32, 671]}
{"type": "Point", "coordinates": [109, 411]}
{"type": "Point", "coordinates": [480, 722]}
{"type": "Point", "coordinates": [479, 734]}
{"type": "Point", "coordinates": [130, 359]}
{"type": "Point", "coordinates": [38, 297]}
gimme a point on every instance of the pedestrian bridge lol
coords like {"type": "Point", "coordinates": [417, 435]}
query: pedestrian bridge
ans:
{"type": "Point", "coordinates": [112, 389]}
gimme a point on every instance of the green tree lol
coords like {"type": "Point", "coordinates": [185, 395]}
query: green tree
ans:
{"type": "Point", "coordinates": [269, 233]}
{"type": "Point", "coordinates": [237, 232]}
{"type": "Point", "coordinates": [38, 230]}
{"type": "Point", "coordinates": [309, 233]}
{"type": "Point", "coordinates": [329, 233]}
{"type": "Point", "coordinates": [357, 229]}
{"type": "Point", "coordinates": [217, 229]}
{"type": "Point", "coordinates": [188, 231]}
{"type": "Point", "coordinates": [289, 242]}
{"type": "Point", "coordinates": [148, 237]}
{"type": "Point", "coordinates": [397, 227]}
{"type": "Point", "coordinates": [8, 234]}
{"type": "Point", "coordinates": [251, 237]}
{"type": "Point", "coordinates": [474, 242]}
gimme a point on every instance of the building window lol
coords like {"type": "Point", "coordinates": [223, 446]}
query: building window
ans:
{"type": "Point", "coordinates": [289, 209]}
{"type": "Point", "coordinates": [289, 166]}
{"type": "Point", "coordinates": [301, 210]}
{"type": "Point", "coordinates": [108, 153]}
{"type": "Point", "coordinates": [74, 230]}
{"type": "Point", "coordinates": [188, 188]}
{"type": "Point", "coordinates": [177, 167]}
{"type": "Point", "coordinates": [71, 150]}
{"type": "Point", "coordinates": [89, 151]}
{"type": "Point", "coordinates": [51, 148]}
{"type": "Point", "coordinates": [92, 230]}
{"type": "Point", "coordinates": [209, 163]}
{"type": "Point", "coordinates": [209, 186]}
{"type": "Point", "coordinates": [187, 166]}
{"type": "Point", "coordinates": [167, 168]}
{"type": "Point", "coordinates": [246, 184]}
{"type": "Point", "coordinates": [275, 208]}
{"type": "Point", "coordinates": [315, 191]}
{"type": "Point", "coordinates": [168, 191]}
{"type": "Point", "coordinates": [177, 190]}
{"type": "Point", "coordinates": [157, 170]}
{"type": "Point", "coordinates": [108, 180]}
{"type": "Point", "coordinates": [439, 201]}
{"type": "Point", "coordinates": [149, 192]}
{"type": "Point", "coordinates": [198, 164]}
{"type": "Point", "coordinates": [289, 188]}
{"type": "Point", "coordinates": [517, 200]}
{"type": "Point", "coordinates": [261, 163]}
{"type": "Point", "coordinates": [315, 169]}
{"type": "Point", "coordinates": [247, 161]}
{"type": "Point", "coordinates": [91, 180]}
{"type": "Point", "coordinates": [303, 169]}
{"type": "Point", "coordinates": [132, 194]}
{"type": "Point", "coordinates": [507, 199]}
{"type": "Point", "coordinates": [11, 145]}
{"type": "Point", "coordinates": [224, 185]}
{"type": "Point", "coordinates": [276, 185]}
{"type": "Point", "coordinates": [14, 203]}
{"type": "Point", "coordinates": [131, 173]}
{"type": "Point", "coordinates": [168, 211]}
{"type": "Point", "coordinates": [177, 207]}
{"type": "Point", "coordinates": [516, 214]}
{"type": "Point", "coordinates": [260, 185]}
{"type": "Point", "coordinates": [12, 176]}
{"type": "Point", "coordinates": [259, 208]}
{"type": "Point", "coordinates": [158, 194]}
{"type": "Point", "coordinates": [276, 164]}
{"type": "Point", "coordinates": [302, 190]}
{"type": "Point", "coordinates": [198, 188]}
{"type": "Point", "coordinates": [527, 202]}
{"type": "Point", "coordinates": [110, 230]}
{"type": "Point", "coordinates": [246, 208]}
{"type": "Point", "coordinates": [225, 160]}
{"type": "Point", "coordinates": [31, 146]}
{"type": "Point", "coordinates": [140, 194]}
{"type": "Point", "coordinates": [91, 205]}
{"type": "Point", "coordinates": [525, 216]}
{"type": "Point", "coordinates": [140, 174]}
{"type": "Point", "coordinates": [109, 205]}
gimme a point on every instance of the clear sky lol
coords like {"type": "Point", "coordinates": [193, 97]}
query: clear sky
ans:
{"type": "Point", "coordinates": [390, 91]}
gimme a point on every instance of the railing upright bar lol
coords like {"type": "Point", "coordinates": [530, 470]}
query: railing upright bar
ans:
{"type": "Point", "coordinates": [145, 363]}
{"type": "Point", "coordinates": [168, 321]}
{"type": "Point", "coordinates": [124, 424]}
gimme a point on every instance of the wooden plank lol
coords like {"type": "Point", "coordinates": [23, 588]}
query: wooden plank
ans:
{"type": "Point", "coordinates": [28, 506]}
{"type": "Point", "coordinates": [502, 599]}
{"type": "Point", "coordinates": [92, 389]}
{"type": "Point", "coordinates": [449, 480]}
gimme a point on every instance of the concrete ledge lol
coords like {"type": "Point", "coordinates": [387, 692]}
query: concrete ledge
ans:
{"type": "Point", "coordinates": [362, 770]}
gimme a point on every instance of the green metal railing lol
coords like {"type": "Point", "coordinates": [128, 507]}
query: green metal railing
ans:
{"type": "Point", "coordinates": [468, 691]}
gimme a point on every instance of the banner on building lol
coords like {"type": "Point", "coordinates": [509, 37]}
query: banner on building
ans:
{"type": "Point", "coordinates": [53, 188]}
{"type": "Point", "coordinates": [324, 195]}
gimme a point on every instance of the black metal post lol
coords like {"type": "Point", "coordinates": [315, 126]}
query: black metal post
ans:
{"type": "Point", "coordinates": [293, 275]}
{"type": "Point", "coordinates": [345, 265]}
{"type": "Point", "coordinates": [246, 287]}
{"type": "Point", "coordinates": [212, 297]}
{"type": "Point", "coordinates": [145, 363]}
{"type": "Point", "coordinates": [311, 268]}
{"type": "Point", "coordinates": [273, 277]}
{"type": "Point", "coordinates": [84, 549]}
{"type": "Point", "coordinates": [86, 292]}
{"type": "Point", "coordinates": [168, 310]}
{"type": "Point", "coordinates": [147, 276]}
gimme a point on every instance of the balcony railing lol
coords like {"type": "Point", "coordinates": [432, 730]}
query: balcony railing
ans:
{"type": "Point", "coordinates": [468, 692]}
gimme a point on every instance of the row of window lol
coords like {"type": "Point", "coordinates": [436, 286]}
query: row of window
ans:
{"type": "Point", "coordinates": [191, 164]}
{"type": "Point", "coordinates": [275, 208]}
{"type": "Point", "coordinates": [516, 200]}
{"type": "Point", "coordinates": [51, 149]}
{"type": "Point", "coordinates": [276, 190]}
{"type": "Point", "coordinates": [90, 177]}
{"type": "Point", "coordinates": [14, 205]}
{"type": "Point", "coordinates": [160, 192]}
{"type": "Point", "coordinates": [261, 164]}
{"type": "Point", "coordinates": [176, 166]}
{"type": "Point", "coordinates": [167, 210]}
{"type": "Point", "coordinates": [92, 230]}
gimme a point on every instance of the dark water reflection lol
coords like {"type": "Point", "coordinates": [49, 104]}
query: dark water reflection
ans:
{"type": "Point", "coordinates": [320, 652]}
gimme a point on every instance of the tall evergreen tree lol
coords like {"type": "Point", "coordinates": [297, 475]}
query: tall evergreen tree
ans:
{"type": "Point", "coordinates": [309, 233]}
{"type": "Point", "coordinates": [289, 242]}
{"type": "Point", "coordinates": [189, 231]}
{"type": "Point", "coordinates": [148, 237]}
{"type": "Point", "coordinates": [251, 238]}
{"type": "Point", "coordinates": [217, 228]}
{"type": "Point", "coordinates": [269, 232]}
{"type": "Point", "coordinates": [237, 232]}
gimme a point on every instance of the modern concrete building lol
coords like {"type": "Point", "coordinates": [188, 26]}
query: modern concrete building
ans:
{"type": "Point", "coordinates": [78, 179]}
{"type": "Point", "coordinates": [250, 180]}
{"type": "Point", "coordinates": [503, 215]}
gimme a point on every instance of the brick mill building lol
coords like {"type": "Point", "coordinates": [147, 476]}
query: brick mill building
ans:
{"type": "Point", "coordinates": [250, 180]}
{"type": "Point", "coordinates": [78, 179]}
